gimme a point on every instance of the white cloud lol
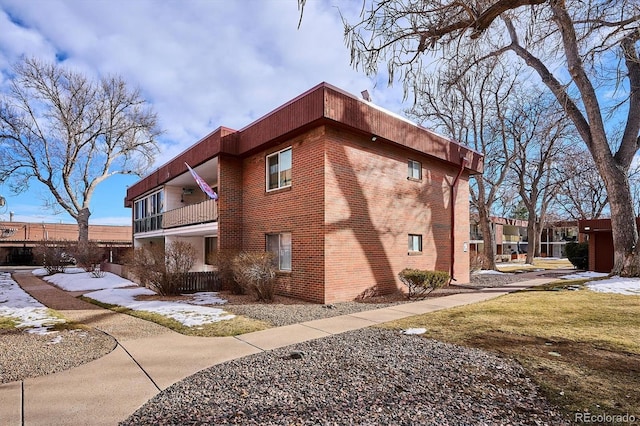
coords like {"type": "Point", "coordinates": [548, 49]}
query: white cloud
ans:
{"type": "Point", "coordinates": [202, 64]}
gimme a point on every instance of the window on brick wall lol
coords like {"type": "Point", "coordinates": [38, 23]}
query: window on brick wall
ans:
{"type": "Point", "coordinates": [280, 246]}
{"type": "Point", "coordinates": [279, 170]}
{"type": "Point", "coordinates": [415, 170]}
{"type": "Point", "coordinates": [415, 243]}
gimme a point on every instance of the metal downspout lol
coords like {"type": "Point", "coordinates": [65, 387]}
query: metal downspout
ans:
{"type": "Point", "coordinates": [453, 193]}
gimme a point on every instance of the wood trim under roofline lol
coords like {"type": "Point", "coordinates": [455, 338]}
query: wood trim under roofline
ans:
{"type": "Point", "coordinates": [323, 103]}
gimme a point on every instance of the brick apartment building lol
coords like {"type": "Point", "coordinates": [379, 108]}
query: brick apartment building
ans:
{"type": "Point", "coordinates": [17, 239]}
{"type": "Point", "coordinates": [343, 192]}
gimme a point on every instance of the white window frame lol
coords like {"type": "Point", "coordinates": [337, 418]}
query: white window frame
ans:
{"type": "Point", "coordinates": [281, 183]}
{"type": "Point", "coordinates": [412, 240]}
{"type": "Point", "coordinates": [411, 169]}
{"type": "Point", "coordinates": [283, 255]}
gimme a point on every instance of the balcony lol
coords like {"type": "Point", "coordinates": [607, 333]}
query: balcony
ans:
{"type": "Point", "coordinates": [511, 238]}
{"type": "Point", "coordinates": [206, 211]}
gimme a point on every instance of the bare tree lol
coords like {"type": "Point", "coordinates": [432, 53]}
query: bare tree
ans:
{"type": "Point", "coordinates": [70, 133]}
{"type": "Point", "coordinates": [582, 192]}
{"type": "Point", "coordinates": [470, 109]}
{"type": "Point", "coordinates": [582, 51]}
{"type": "Point", "coordinates": [539, 134]}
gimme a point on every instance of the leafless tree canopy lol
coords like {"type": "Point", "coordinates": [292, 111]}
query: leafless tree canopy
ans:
{"type": "Point", "coordinates": [471, 109]}
{"type": "Point", "coordinates": [585, 52]}
{"type": "Point", "coordinates": [70, 133]}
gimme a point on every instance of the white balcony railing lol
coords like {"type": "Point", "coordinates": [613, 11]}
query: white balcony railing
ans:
{"type": "Point", "coordinates": [206, 211]}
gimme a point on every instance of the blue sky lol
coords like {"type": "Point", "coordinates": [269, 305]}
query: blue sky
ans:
{"type": "Point", "coordinates": [201, 64]}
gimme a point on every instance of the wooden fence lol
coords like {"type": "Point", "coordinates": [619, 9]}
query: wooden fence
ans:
{"type": "Point", "coordinates": [201, 281]}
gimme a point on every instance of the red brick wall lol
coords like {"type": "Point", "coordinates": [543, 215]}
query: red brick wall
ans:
{"type": "Point", "coordinates": [371, 207]}
{"type": "Point", "coordinates": [350, 209]}
{"type": "Point", "coordinates": [297, 209]}
{"type": "Point", "coordinates": [230, 202]}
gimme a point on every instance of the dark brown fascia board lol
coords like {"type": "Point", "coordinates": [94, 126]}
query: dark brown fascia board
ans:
{"type": "Point", "coordinates": [220, 140]}
{"type": "Point", "coordinates": [323, 103]}
{"type": "Point", "coordinates": [326, 104]}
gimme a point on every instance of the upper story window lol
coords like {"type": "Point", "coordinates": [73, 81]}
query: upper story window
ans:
{"type": "Point", "coordinates": [415, 170]}
{"type": "Point", "coordinates": [147, 212]}
{"type": "Point", "coordinates": [279, 170]}
{"type": "Point", "coordinates": [415, 243]}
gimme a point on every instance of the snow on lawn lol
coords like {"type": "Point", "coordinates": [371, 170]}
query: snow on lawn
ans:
{"type": "Point", "coordinates": [186, 313]}
{"type": "Point", "coordinates": [18, 305]}
{"type": "Point", "coordinates": [79, 280]}
{"type": "Point", "coordinates": [583, 275]}
{"type": "Point", "coordinates": [627, 286]}
{"type": "Point", "coordinates": [110, 289]}
{"type": "Point", "coordinates": [489, 272]}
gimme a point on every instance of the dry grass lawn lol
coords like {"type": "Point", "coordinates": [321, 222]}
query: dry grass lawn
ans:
{"type": "Point", "coordinates": [581, 347]}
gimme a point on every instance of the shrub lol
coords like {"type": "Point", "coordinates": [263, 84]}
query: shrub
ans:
{"type": "Point", "coordinates": [578, 254]}
{"type": "Point", "coordinates": [477, 262]}
{"type": "Point", "coordinates": [223, 261]}
{"type": "Point", "coordinates": [88, 256]}
{"type": "Point", "coordinates": [53, 257]}
{"type": "Point", "coordinates": [256, 274]}
{"type": "Point", "coordinates": [420, 282]}
{"type": "Point", "coordinates": [161, 269]}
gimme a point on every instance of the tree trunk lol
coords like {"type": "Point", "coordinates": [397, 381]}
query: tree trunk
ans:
{"type": "Point", "coordinates": [531, 239]}
{"type": "Point", "coordinates": [626, 260]}
{"type": "Point", "coordinates": [489, 238]}
{"type": "Point", "coordinates": [83, 225]}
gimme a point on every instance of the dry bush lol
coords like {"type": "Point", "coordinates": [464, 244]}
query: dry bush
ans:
{"type": "Point", "coordinates": [222, 260]}
{"type": "Point", "coordinates": [88, 256]}
{"type": "Point", "coordinates": [255, 272]}
{"type": "Point", "coordinates": [163, 269]}
{"type": "Point", "coordinates": [54, 257]}
{"type": "Point", "coordinates": [477, 262]}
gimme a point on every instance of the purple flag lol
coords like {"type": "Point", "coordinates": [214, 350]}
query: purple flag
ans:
{"type": "Point", "coordinates": [202, 184]}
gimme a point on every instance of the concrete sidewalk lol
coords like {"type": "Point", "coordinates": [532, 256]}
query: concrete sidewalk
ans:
{"type": "Point", "coordinates": [109, 389]}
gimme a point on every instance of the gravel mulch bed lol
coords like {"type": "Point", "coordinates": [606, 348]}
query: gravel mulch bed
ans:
{"type": "Point", "coordinates": [24, 355]}
{"type": "Point", "coordinates": [364, 377]}
{"type": "Point", "coordinates": [286, 311]}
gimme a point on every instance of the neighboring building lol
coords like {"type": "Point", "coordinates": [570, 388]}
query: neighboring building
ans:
{"type": "Point", "coordinates": [344, 193]}
{"type": "Point", "coordinates": [17, 239]}
{"type": "Point", "coordinates": [600, 237]}
{"type": "Point", "coordinates": [555, 237]}
{"type": "Point", "coordinates": [512, 240]}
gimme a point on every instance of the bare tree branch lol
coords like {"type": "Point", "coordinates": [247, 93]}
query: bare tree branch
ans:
{"type": "Point", "coordinates": [70, 134]}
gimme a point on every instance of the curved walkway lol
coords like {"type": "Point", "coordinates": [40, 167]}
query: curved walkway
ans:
{"type": "Point", "coordinates": [109, 389]}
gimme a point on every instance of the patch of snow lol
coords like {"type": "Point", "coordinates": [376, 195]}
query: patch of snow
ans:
{"type": "Point", "coordinates": [85, 281]}
{"type": "Point", "coordinates": [626, 286]}
{"type": "Point", "coordinates": [205, 298]}
{"type": "Point", "coordinates": [55, 340]}
{"type": "Point", "coordinates": [414, 331]}
{"type": "Point", "coordinates": [582, 275]}
{"type": "Point", "coordinates": [489, 272]}
{"type": "Point", "coordinates": [185, 313]}
{"type": "Point", "coordinates": [18, 305]}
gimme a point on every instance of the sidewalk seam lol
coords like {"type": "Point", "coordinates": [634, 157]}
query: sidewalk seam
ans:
{"type": "Point", "coordinates": [22, 402]}
{"type": "Point", "coordinates": [237, 337]}
{"type": "Point", "coordinates": [134, 360]}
